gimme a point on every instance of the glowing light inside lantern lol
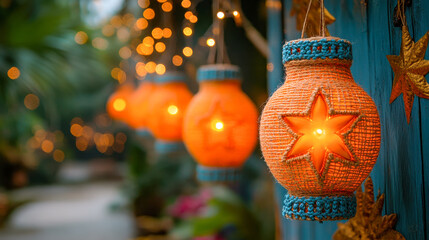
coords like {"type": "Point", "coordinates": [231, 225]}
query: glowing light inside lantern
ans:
{"type": "Point", "coordinates": [236, 13]}
{"type": "Point", "coordinates": [211, 42]}
{"type": "Point", "coordinates": [220, 15]}
{"type": "Point", "coordinates": [217, 125]}
{"type": "Point", "coordinates": [119, 104]}
{"type": "Point", "coordinates": [172, 110]}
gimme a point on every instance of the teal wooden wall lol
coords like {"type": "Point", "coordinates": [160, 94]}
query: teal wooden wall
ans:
{"type": "Point", "coordinates": [402, 169]}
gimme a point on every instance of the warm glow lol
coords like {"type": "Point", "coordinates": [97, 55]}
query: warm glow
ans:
{"type": "Point", "coordinates": [167, 7]}
{"type": "Point", "coordinates": [121, 138]}
{"type": "Point", "coordinates": [81, 144]}
{"type": "Point", "coordinates": [119, 104]}
{"type": "Point", "coordinates": [100, 43]}
{"type": "Point", "coordinates": [217, 125]}
{"type": "Point", "coordinates": [172, 110]}
{"type": "Point", "coordinates": [76, 130]}
{"type": "Point", "coordinates": [47, 146]}
{"type": "Point", "coordinates": [188, 15]}
{"type": "Point", "coordinates": [108, 30]}
{"type": "Point", "coordinates": [160, 47]}
{"type": "Point", "coordinates": [166, 33]}
{"type": "Point", "coordinates": [81, 37]}
{"type": "Point", "coordinates": [177, 60]}
{"type": "Point", "coordinates": [187, 31]}
{"type": "Point", "coordinates": [125, 52]}
{"type": "Point", "coordinates": [157, 33]}
{"type": "Point", "coordinates": [123, 34]}
{"type": "Point", "coordinates": [186, 3]}
{"type": "Point", "coordinates": [145, 50]}
{"type": "Point", "coordinates": [58, 155]}
{"type": "Point", "coordinates": [149, 13]}
{"type": "Point", "coordinates": [320, 133]}
{"type": "Point", "coordinates": [13, 73]}
{"type": "Point", "coordinates": [141, 23]}
{"type": "Point", "coordinates": [31, 101]}
{"type": "Point", "coordinates": [187, 51]}
{"type": "Point", "coordinates": [193, 19]}
{"type": "Point", "coordinates": [162, 1]}
{"type": "Point", "coordinates": [150, 67]}
{"type": "Point", "coordinates": [236, 13]}
{"type": "Point", "coordinates": [116, 21]}
{"type": "Point", "coordinates": [143, 3]}
{"type": "Point", "coordinates": [220, 15]}
{"type": "Point", "coordinates": [160, 69]}
{"type": "Point", "coordinates": [148, 41]}
{"type": "Point", "coordinates": [210, 42]}
{"type": "Point", "coordinates": [140, 69]}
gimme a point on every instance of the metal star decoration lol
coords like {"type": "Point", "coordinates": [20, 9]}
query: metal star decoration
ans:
{"type": "Point", "coordinates": [369, 223]}
{"type": "Point", "coordinates": [299, 8]}
{"type": "Point", "coordinates": [410, 69]}
{"type": "Point", "coordinates": [320, 133]}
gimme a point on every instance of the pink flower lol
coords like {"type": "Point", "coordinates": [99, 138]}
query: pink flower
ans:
{"type": "Point", "coordinates": [188, 206]}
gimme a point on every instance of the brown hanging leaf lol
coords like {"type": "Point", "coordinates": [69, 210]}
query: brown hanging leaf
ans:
{"type": "Point", "coordinates": [368, 224]}
{"type": "Point", "coordinates": [299, 9]}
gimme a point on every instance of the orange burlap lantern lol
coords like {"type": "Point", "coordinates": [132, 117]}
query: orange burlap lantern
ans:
{"type": "Point", "coordinates": [117, 104]}
{"type": "Point", "coordinates": [139, 101]}
{"type": "Point", "coordinates": [320, 132]}
{"type": "Point", "coordinates": [220, 127]}
{"type": "Point", "coordinates": [167, 107]}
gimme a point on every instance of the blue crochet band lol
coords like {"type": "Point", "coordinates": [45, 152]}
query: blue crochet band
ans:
{"type": "Point", "coordinates": [169, 77]}
{"type": "Point", "coordinates": [143, 132]}
{"type": "Point", "coordinates": [218, 72]}
{"type": "Point", "coordinates": [168, 147]}
{"type": "Point", "coordinates": [215, 174]}
{"type": "Point", "coordinates": [307, 49]}
{"type": "Point", "coordinates": [319, 208]}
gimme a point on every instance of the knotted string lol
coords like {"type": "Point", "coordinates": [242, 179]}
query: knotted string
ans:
{"type": "Point", "coordinates": [322, 30]}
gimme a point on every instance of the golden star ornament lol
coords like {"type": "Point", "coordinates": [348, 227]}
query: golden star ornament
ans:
{"type": "Point", "coordinates": [410, 69]}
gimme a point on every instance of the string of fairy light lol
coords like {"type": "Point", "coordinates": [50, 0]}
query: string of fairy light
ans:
{"type": "Point", "coordinates": [140, 51]}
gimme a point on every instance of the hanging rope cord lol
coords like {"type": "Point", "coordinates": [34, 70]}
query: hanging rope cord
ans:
{"type": "Point", "coordinates": [322, 30]}
{"type": "Point", "coordinates": [401, 12]}
{"type": "Point", "coordinates": [218, 53]}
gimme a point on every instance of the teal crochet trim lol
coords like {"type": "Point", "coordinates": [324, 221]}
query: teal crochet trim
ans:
{"type": "Point", "coordinates": [317, 49]}
{"type": "Point", "coordinates": [169, 147]}
{"type": "Point", "coordinates": [319, 208]}
{"type": "Point", "coordinates": [218, 72]}
{"type": "Point", "coordinates": [215, 174]}
{"type": "Point", "coordinates": [144, 133]}
{"type": "Point", "coordinates": [169, 77]}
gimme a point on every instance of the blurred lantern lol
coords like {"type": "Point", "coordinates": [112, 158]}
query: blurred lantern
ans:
{"type": "Point", "coordinates": [220, 127]}
{"type": "Point", "coordinates": [139, 101]}
{"type": "Point", "coordinates": [168, 105]}
{"type": "Point", "coordinates": [117, 104]}
{"type": "Point", "coordinates": [320, 132]}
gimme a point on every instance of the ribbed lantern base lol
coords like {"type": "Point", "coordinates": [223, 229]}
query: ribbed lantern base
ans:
{"type": "Point", "coordinates": [144, 133]}
{"type": "Point", "coordinates": [167, 147]}
{"type": "Point", "coordinates": [319, 208]}
{"type": "Point", "coordinates": [215, 174]}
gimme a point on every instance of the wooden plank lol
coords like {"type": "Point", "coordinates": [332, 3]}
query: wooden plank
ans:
{"type": "Point", "coordinates": [398, 172]}
{"type": "Point", "coordinates": [420, 21]}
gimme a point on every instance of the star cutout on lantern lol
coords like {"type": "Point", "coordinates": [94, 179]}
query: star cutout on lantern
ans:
{"type": "Point", "coordinates": [410, 69]}
{"type": "Point", "coordinates": [320, 134]}
{"type": "Point", "coordinates": [217, 126]}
